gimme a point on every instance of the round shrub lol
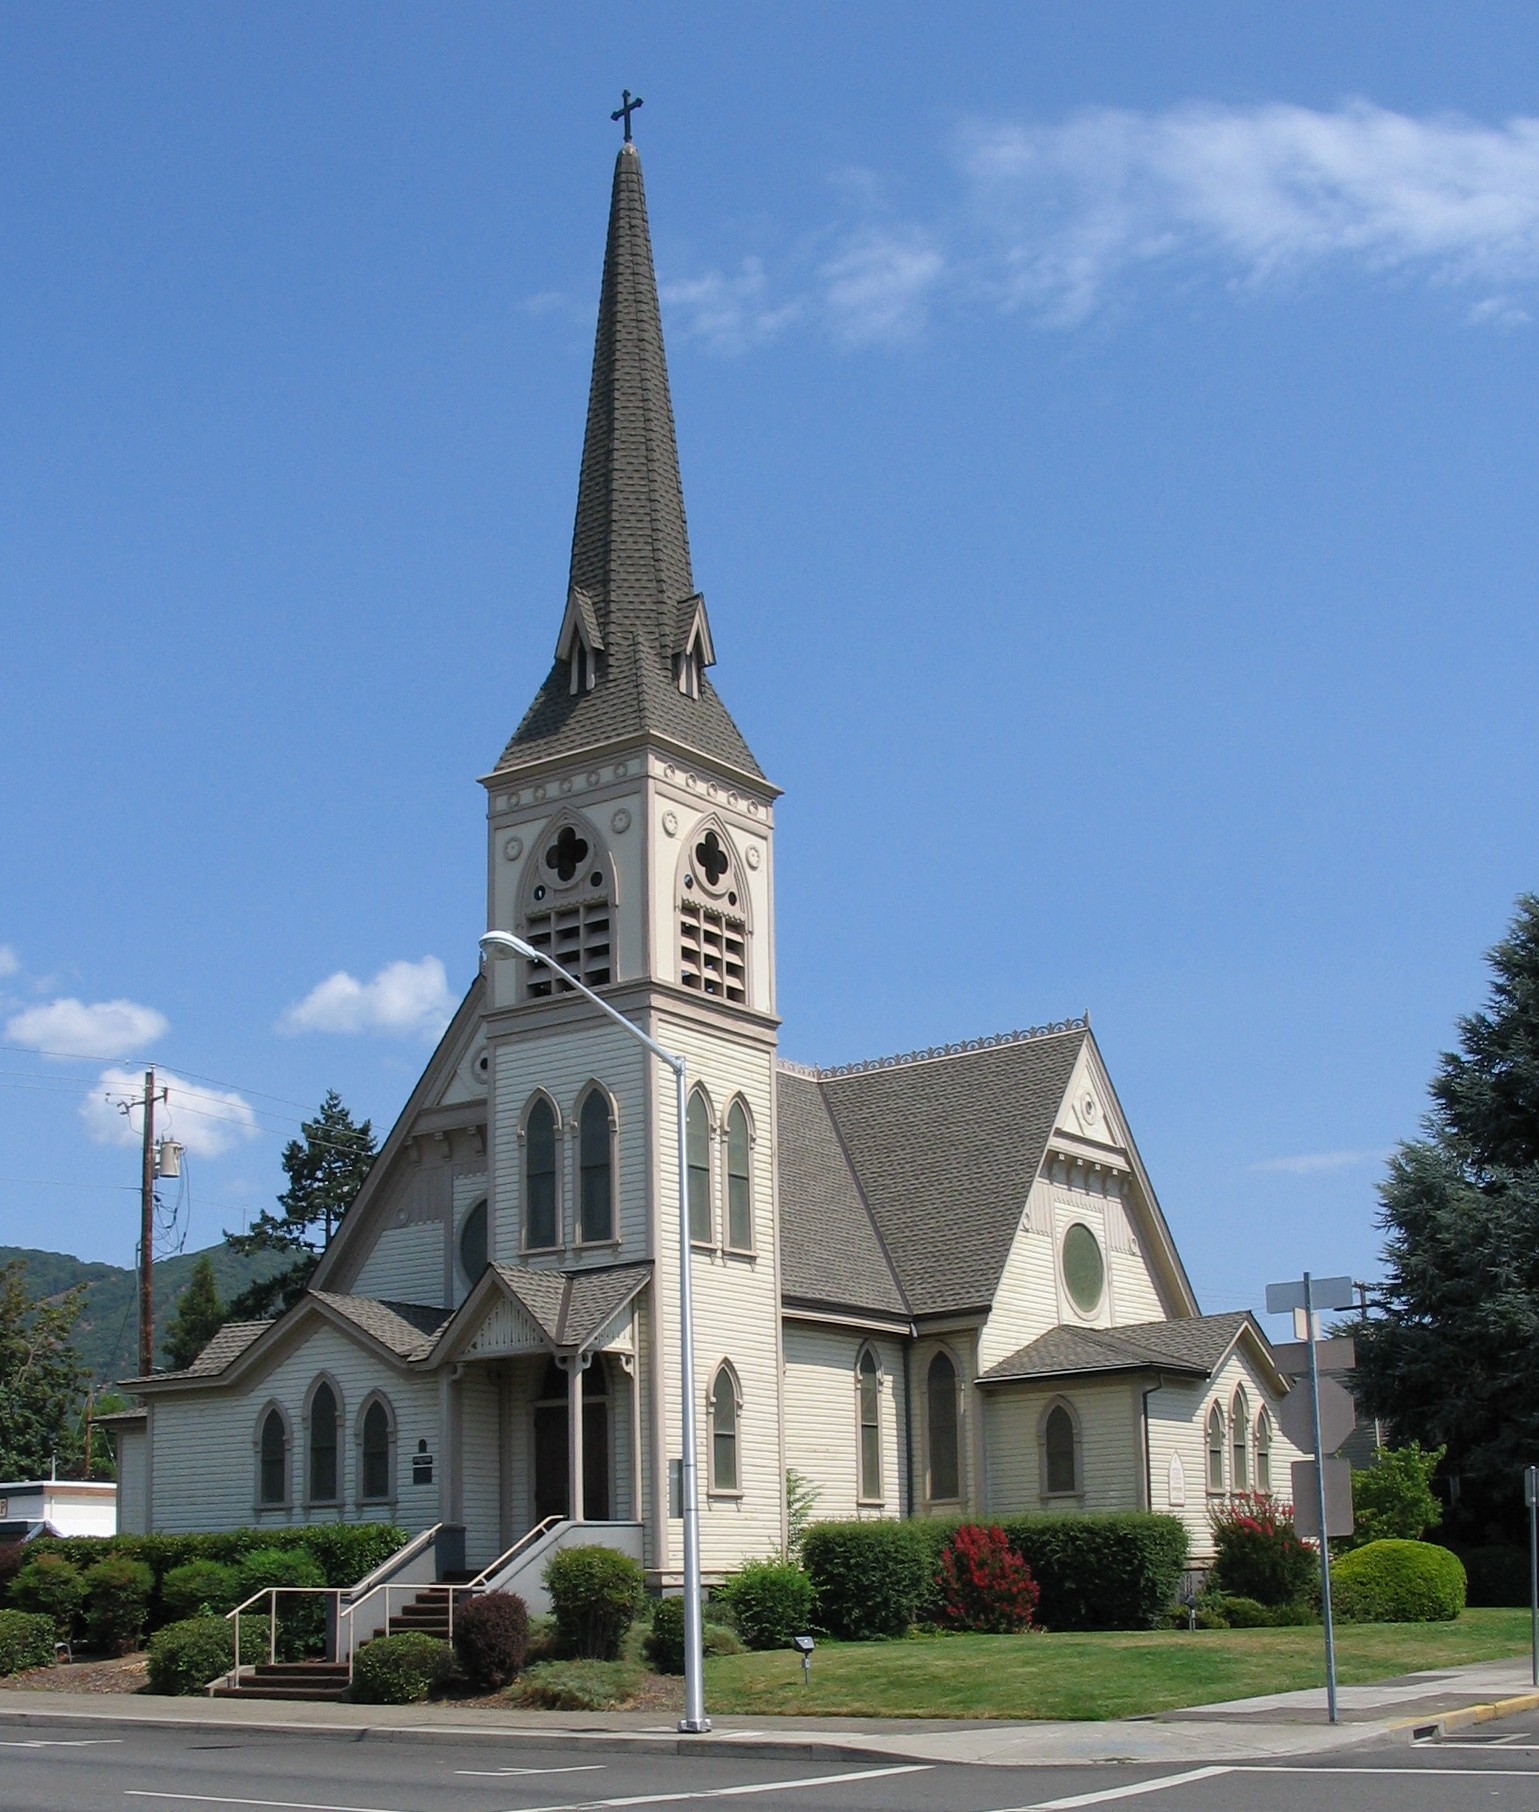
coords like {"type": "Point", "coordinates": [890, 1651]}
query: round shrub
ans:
{"type": "Point", "coordinates": [491, 1638]}
{"type": "Point", "coordinates": [1258, 1553]}
{"type": "Point", "coordinates": [399, 1670]}
{"type": "Point", "coordinates": [117, 1603]}
{"type": "Point", "coordinates": [200, 1588]}
{"type": "Point", "coordinates": [665, 1645]}
{"type": "Point", "coordinates": [1246, 1614]}
{"type": "Point", "coordinates": [770, 1601]}
{"type": "Point", "coordinates": [870, 1577]}
{"type": "Point", "coordinates": [50, 1587]}
{"type": "Point", "coordinates": [184, 1657]}
{"type": "Point", "coordinates": [26, 1640]}
{"type": "Point", "coordinates": [595, 1594]}
{"type": "Point", "coordinates": [983, 1584]}
{"type": "Point", "coordinates": [13, 1556]}
{"type": "Point", "coordinates": [1398, 1582]}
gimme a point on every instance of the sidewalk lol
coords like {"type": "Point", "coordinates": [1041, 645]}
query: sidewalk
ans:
{"type": "Point", "coordinates": [1277, 1726]}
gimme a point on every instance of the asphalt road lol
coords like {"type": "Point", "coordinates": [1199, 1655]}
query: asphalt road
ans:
{"type": "Point", "coordinates": [93, 1767]}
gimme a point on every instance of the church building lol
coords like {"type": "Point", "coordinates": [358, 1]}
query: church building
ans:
{"type": "Point", "coordinates": [490, 1346]}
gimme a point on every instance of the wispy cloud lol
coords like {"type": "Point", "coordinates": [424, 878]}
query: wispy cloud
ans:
{"type": "Point", "coordinates": [74, 1028]}
{"type": "Point", "coordinates": [208, 1121]}
{"type": "Point", "coordinates": [1311, 1163]}
{"type": "Point", "coordinates": [405, 1000]}
{"type": "Point", "coordinates": [10, 962]}
{"type": "Point", "coordinates": [1057, 220]}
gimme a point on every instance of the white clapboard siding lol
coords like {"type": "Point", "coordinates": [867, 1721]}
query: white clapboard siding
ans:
{"type": "Point", "coordinates": [130, 1442]}
{"type": "Point", "coordinates": [406, 1264]}
{"type": "Point", "coordinates": [481, 1451]}
{"type": "Point", "coordinates": [203, 1465]}
{"type": "Point", "coordinates": [1109, 1449]}
{"type": "Point", "coordinates": [823, 1418]}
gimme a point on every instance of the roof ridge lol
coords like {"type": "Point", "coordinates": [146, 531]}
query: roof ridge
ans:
{"type": "Point", "coordinates": [934, 1053]}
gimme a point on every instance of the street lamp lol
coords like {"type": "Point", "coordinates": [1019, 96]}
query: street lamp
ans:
{"type": "Point", "coordinates": [497, 944]}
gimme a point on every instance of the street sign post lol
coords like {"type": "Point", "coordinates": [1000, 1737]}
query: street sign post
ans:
{"type": "Point", "coordinates": [1338, 1417]}
{"type": "Point", "coordinates": [1531, 1498]}
{"type": "Point", "coordinates": [1338, 1498]}
{"type": "Point", "coordinates": [1313, 1295]}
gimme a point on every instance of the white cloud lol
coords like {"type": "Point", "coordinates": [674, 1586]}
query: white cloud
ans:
{"type": "Point", "coordinates": [404, 1000]}
{"type": "Point", "coordinates": [72, 1028]}
{"type": "Point", "coordinates": [1056, 220]}
{"type": "Point", "coordinates": [208, 1121]}
{"type": "Point", "coordinates": [10, 962]}
{"type": "Point", "coordinates": [1311, 1163]}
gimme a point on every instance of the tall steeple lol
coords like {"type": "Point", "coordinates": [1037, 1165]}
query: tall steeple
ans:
{"type": "Point", "coordinates": [635, 639]}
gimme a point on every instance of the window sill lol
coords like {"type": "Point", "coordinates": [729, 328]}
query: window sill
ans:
{"type": "Point", "coordinates": [539, 1252]}
{"type": "Point", "coordinates": [1062, 1497]}
{"type": "Point", "coordinates": [871, 1503]}
{"type": "Point", "coordinates": [611, 1244]}
{"type": "Point", "coordinates": [715, 1494]}
{"type": "Point", "coordinates": [739, 1252]}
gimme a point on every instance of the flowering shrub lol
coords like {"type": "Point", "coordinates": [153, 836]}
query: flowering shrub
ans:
{"type": "Point", "coordinates": [1258, 1553]}
{"type": "Point", "coordinates": [984, 1584]}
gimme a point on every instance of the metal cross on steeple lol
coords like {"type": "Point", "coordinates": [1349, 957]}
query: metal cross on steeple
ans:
{"type": "Point", "coordinates": [624, 111]}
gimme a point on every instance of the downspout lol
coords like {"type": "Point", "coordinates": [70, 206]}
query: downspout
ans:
{"type": "Point", "coordinates": [908, 1425]}
{"type": "Point", "coordinates": [1159, 1384]}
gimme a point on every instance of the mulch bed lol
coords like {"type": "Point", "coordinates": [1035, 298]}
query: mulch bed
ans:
{"type": "Point", "coordinates": [115, 1673]}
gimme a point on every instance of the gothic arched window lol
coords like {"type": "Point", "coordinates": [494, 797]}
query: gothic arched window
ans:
{"type": "Point", "coordinates": [273, 1460]}
{"type": "Point", "coordinates": [595, 1142]}
{"type": "Point", "coordinates": [1215, 1449]}
{"type": "Point", "coordinates": [941, 1403]}
{"type": "Point", "coordinates": [1264, 1452]}
{"type": "Point", "coordinates": [739, 1187]}
{"type": "Point", "coordinates": [541, 1222]}
{"type": "Point", "coordinates": [868, 1376]}
{"type": "Point", "coordinates": [725, 1475]}
{"type": "Point", "coordinates": [697, 1164]}
{"type": "Point", "coordinates": [1060, 1455]}
{"type": "Point", "coordinates": [1239, 1434]}
{"type": "Point", "coordinates": [323, 1416]}
{"type": "Point", "coordinates": [375, 1441]}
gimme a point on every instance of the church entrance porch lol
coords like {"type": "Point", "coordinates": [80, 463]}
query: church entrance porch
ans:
{"type": "Point", "coordinates": [553, 1442]}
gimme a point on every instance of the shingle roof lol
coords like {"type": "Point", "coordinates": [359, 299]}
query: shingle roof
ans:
{"type": "Point", "coordinates": [1195, 1344]}
{"type": "Point", "coordinates": [572, 1306]}
{"type": "Point", "coordinates": [221, 1352]}
{"type": "Point", "coordinates": [630, 545]}
{"type": "Point", "coordinates": [945, 1148]}
{"type": "Point", "coordinates": [407, 1328]}
{"type": "Point", "coordinates": [829, 1249]}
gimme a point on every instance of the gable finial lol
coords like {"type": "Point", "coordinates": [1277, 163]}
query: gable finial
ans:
{"type": "Point", "coordinates": [627, 107]}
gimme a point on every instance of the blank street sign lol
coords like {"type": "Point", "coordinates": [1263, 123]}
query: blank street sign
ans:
{"type": "Point", "coordinates": [1338, 1415]}
{"type": "Point", "coordinates": [1338, 1498]}
{"type": "Point", "coordinates": [1324, 1293]}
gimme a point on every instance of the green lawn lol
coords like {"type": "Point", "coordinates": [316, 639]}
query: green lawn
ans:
{"type": "Point", "coordinates": [1092, 1676]}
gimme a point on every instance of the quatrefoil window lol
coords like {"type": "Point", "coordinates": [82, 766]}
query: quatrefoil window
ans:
{"type": "Point", "coordinates": [711, 859]}
{"type": "Point", "coordinates": [567, 854]}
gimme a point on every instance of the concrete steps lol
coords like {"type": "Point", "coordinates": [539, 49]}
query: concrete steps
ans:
{"type": "Point", "coordinates": [427, 1614]}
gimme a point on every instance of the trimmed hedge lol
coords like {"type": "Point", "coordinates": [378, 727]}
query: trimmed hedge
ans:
{"type": "Point", "coordinates": [200, 1588]}
{"type": "Point", "coordinates": [25, 1641]}
{"type": "Point", "coordinates": [50, 1587]}
{"type": "Point", "coordinates": [301, 1620]}
{"type": "Point", "coordinates": [770, 1601]}
{"type": "Point", "coordinates": [595, 1594]}
{"type": "Point", "coordinates": [399, 1670]}
{"type": "Point", "coordinates": [117, 1603]}
{"type": "Point", "coordinates": [1119, 1570]}
{"type": "Point", "coordinates": [491, 1638]}
{"type": "Point", "coordinates": [1398, 1582]}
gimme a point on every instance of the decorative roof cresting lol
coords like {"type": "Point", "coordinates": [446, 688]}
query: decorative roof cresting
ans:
{"type": "Point", "coordinates": [1054, 1029]}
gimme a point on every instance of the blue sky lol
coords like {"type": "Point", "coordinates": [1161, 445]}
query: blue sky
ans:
{"type": "Point", "coordinates": [1109, 443]}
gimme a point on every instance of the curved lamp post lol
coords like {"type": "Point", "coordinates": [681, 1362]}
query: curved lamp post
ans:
{"type": "Point", "coordinates": [498, 944]}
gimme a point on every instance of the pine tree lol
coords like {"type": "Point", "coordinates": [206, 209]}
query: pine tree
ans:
{"type": "Point", "coordinates": [42, 1383]}
{"type": "Point", "coordinates": [325, 1171]}
{"type": "Point", "coordinates": [199, 1316]}
{"type": "Point", "coordinates": [1453, 1355]}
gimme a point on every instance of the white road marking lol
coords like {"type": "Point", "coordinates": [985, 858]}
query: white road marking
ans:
{"type": "Point", "coordinates": [1131, 1791]}
{"type": "Point", "coordinates": [500, 1774]}
{"type": "Point", "coordinates": [275, 1805]}
{"type": "Point", "coordinates": [1458, 1774]}
{"type": "Point", "coordinates": [669, 1799]}
{"type": "Point", "coordinates": [57, 1742]}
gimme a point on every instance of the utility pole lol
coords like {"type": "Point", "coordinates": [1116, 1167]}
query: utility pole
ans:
{"type": "Point", "coordinates": [147, 1233]}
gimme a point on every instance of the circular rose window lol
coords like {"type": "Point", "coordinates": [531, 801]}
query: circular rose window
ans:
{"type": "Point", "coordinates": [1084, 1269]}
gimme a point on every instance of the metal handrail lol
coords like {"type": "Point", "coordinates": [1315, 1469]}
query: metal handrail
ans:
{"type": "Point", "coordinates": [526, 1540]}
{"type": "Point", "coordinates": [270, 1593]}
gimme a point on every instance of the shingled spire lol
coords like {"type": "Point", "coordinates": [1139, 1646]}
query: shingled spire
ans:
{"type": "Point", "coordinates": [634, 639]}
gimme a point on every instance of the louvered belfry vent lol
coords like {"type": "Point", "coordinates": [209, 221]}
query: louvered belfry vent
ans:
{"type": "Point", "coordinates": [711, 952]}
{"type": "Point", "coordinates": [578, 937]}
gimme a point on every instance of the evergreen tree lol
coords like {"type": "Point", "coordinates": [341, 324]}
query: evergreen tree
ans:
{"type": "Point", "coordinates": [199, 1316]}
{"type": "Point", "coordinates": [42, 1383]}
{"type": "Point", "coordinates": [325, 1171]}
{"type": "Point", "coordinates": [1453, 1355]}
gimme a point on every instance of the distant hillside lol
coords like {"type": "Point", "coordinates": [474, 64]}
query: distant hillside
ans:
{"type": "Point", "coordinates": [107, 1334]}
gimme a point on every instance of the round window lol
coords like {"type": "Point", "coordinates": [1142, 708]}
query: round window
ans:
{"type": "Point", "coordinates": [1084, 1270]}
{"type": "Point", "coordinates": [473, 1253]}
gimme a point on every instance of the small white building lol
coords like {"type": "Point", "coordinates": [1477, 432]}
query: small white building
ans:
{"type": "Point", "coordinates": [57, 1507]}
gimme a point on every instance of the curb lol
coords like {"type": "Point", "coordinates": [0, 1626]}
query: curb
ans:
{"type": "Point", "coordinates": [1423, 1730]}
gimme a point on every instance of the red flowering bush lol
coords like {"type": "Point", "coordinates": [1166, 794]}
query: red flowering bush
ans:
{"type": "Point", "coordinates": [983, 1584]}
{"type": "Point", "coordinates": [1258, 1553]}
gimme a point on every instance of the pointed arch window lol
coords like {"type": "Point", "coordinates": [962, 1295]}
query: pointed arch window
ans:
{"type": "Point", "coordinates": [869, 1394]}
{"type": "Point", "coordinates": [541, 1222]}
{"type": "Point", "coordinates": [273, 1460]}
{"type": "Point", "coordinates": [1239, 1436]}
{"type": "Point", "coordinates": [1264, 1452]}
{"type": "Point", "coordinates": [697, 1153]}
{"type": "Point", "coordinates": [1060, 1453]}
{"type": "Point", "coordinates": [941, 1406]}
{"type": "Point", "coordinates": [1215, 1449]}
{"type": "Point", "coordinates": [595, 1141]}
{"type": "Point", "coordinates": [376, 1442]}
{"type": "Point", "coordinates": [725, 1474]}
{"type": "Point", "coordinates": [322, 1446]}
{"type": "Point", "coordinates": [739, 1181]}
